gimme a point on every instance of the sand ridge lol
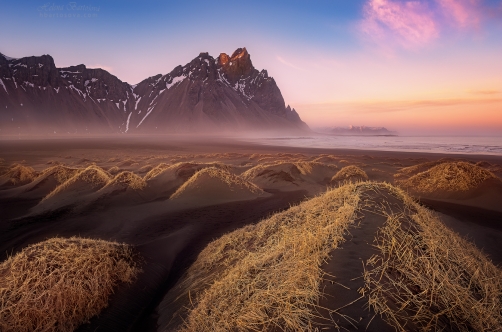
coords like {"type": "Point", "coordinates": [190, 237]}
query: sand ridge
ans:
{"type": "Point", "coordinates": [349, 173]}
{"type": "Point", "coordinates": [264, 275]}
{"type": "Point", "coordinates": [17, 174]}
{"type": "Point", "coordinates": [45, 182]}
{"type": "Point", "coordinates": [280, 171]}
{"type": "Point", "coordinates": [284, 175]}
{"type": "Point", "coordinates": [447, 179]}
{"type": "Point", "coordinates": [70, 192]}
{"type": "Point", "coordinates": [213, 185]}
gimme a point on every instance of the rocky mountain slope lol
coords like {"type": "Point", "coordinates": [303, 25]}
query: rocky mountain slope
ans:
{"type": "Point", "coordinates": [207, 95]}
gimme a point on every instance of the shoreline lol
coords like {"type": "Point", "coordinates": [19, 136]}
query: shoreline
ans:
{"type": "Point", "coordinates": [177, 144]}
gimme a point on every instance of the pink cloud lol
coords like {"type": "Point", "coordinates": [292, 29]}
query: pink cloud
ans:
{"type": "Point", "coordinates": [409, 23]}
{"type": "Point", "coordinates": [464, 13]}
{"type": "Point", "coordinates": [416, 23]}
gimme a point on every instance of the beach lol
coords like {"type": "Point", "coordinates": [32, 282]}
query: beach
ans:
{"type": "Point", "coordinates": [169, 215]}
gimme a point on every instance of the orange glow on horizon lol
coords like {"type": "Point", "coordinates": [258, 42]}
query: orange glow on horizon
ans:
{"type": "Point", "coordinates": [448, 115]}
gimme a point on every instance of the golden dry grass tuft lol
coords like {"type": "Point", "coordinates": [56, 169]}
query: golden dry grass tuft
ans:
{"type": "Point", "coordinates": [114, 170]}
{"type": "Point", "coordinates": [217, 164]}
{"type": "Point", "coordinates": [93, 175]}
{"type": "Point", "coordinates": [145, 169]}
{"type": "Point", "coordinates": [308, 167]}
{"type": "Point", "coordinates": [154, 172]}
{"type": "Point", "coordinates": [232, 181]}
{"type": "Point", "coordinates": [182, 170]}
{"type": "Point", "coordinates": [426, 277]}
{"type": "Point", "coordinates": [256, 156]}
{"type": "Point", "coordinates": [326, 159]}
{"type": "Point", "coordinates": [129, 179]}
{"type": "Point", "coordinates": [257, 170]}
{"type": "Point", "coordinates": [292, 168]}
{"type": "Point", "coordinates": [448, 177]}
{"type": "Point", "coordinates": [58, 284]}
{"type": "Point", "coordinates": [127, 162]}
{"type": "Point", "coordinates": [18, 174]}
{"type": "Point", "coordinates": [267, 276]}
{"type": "Point", "coordinates": [228, 155]}
{"type": "Point", "coordinates": [60, 173]}
{"type": "Point", "coordinates": [407, 172]}
{"type": "Point", "coordinates": [349, 173]}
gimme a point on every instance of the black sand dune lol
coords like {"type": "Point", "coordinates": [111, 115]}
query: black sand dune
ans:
{"type": "Point", "coordinates": [43, 184]}
{"type": "Point", "coordinates": [133, 207]}
{"type": "Point", "coordinates": [163, 180]}
{"type": "Point", "coordinates": [281, 175]}
{"type": "Point", "coordinates": [17, 175]}
{"type": "Point", "coordinates": [211, 186]}
{"type": "Point", "coordinates": [456, 182]}
{"type": "Point", "coordinates": [348, 174]}
{"type": "Point", "coordinates": [72, 191]}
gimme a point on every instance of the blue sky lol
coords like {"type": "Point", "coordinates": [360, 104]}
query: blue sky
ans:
{"type": "Point", "coordinates": [361, 62]}
{"type": "Point", "coordinates": [173, 30]}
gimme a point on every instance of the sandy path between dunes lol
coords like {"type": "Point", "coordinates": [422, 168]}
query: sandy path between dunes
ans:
{"type": "Point", "coordinates": [347, 308]}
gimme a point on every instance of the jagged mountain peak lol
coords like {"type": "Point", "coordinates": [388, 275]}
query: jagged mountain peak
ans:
{"type": "Point", "coordinates": [237, 65]}
{"type": "Point", "coordinates": [239, 53]}
{"type": "Point", "coordinates": [205, 95]}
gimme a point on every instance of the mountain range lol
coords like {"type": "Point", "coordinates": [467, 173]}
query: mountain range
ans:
{"type": "Point", "coordinates": [207, 95]}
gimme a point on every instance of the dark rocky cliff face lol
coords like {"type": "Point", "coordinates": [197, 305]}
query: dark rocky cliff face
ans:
{"type": "Point", "coordinates": [207, 95]}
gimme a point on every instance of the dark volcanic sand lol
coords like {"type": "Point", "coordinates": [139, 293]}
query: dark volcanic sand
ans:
{"type": "Point", "coordinates": [169, 240]}
{"type": "Point", "coordinates": [348, 309]}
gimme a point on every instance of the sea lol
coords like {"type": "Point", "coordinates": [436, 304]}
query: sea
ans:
{"type": "Point", "coordinates": [433, 144]}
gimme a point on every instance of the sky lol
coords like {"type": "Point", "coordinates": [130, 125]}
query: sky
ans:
{"type": "Point", "coordinates": [421, 67]}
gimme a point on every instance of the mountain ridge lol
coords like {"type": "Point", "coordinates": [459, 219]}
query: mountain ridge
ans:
{"type": "Point", "coordinates": [207, 95]}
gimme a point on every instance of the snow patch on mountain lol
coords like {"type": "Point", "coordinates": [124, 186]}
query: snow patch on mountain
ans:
{"type": "Point", "coordinates": [136, 105]}
{"type": "Point", "coordinates": [176, 80]}
{"type": "Point", "coordinates": [1, 82]}
{"type": "Point", "coordinates": [222, 78]}
{"type": "Point", "coordinates": [150, 109]}
{"type": "Point", "coordinates": [127, 124]}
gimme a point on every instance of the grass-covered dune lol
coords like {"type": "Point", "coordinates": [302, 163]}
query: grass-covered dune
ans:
{"type": "Point", "coordinates": [214, 185]}
{"type": "Point", "coordinates": [60, 283]}
{"type": "Point", "coordinates": [268, 276]}
{"type": "Point", "coordinates": [447, 179]}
